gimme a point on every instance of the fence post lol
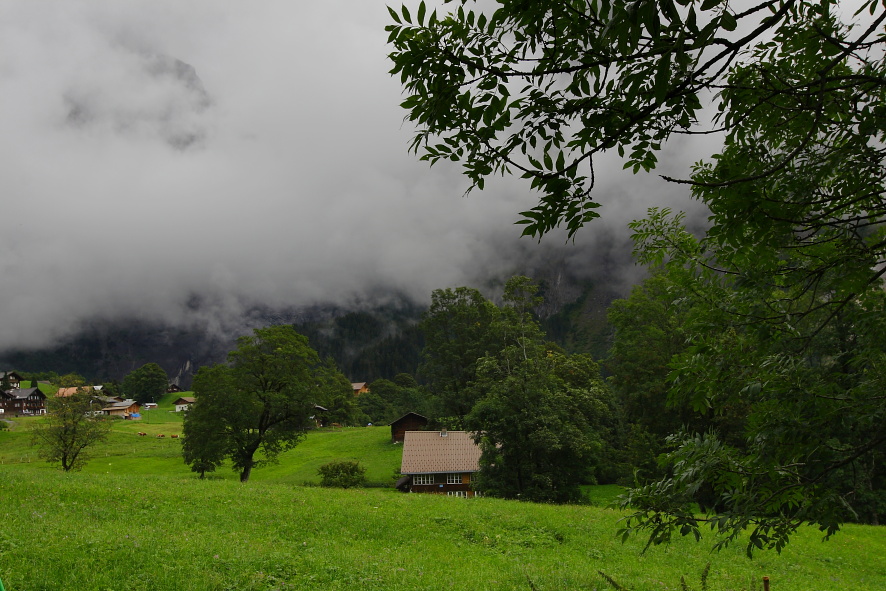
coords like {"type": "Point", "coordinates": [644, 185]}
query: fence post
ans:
{"type": "Point", "coordinates": [765, 583]}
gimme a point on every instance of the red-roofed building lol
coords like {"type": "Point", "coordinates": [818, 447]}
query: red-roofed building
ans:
{"type": "Point", "coordinates": [441, 462]}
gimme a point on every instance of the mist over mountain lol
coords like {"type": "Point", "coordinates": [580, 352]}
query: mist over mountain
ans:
{"type": "Point", "coordinates": [372, 339]}
{"type": "Point", "coordinates": [175, 174]}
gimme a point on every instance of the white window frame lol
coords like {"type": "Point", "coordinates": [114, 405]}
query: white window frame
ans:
{"type": "Point", "coordinates": [457, 493]}
{"type": "Point", "coordinates": [453, 479]}
{"type": "Point", "coordinates": [423, 479]}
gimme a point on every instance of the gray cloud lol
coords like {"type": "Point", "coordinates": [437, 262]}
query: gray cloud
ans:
{"type": "Point", "coordinates": [251, 153]}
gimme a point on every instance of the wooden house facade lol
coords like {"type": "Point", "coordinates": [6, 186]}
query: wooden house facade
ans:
{"type": "Point", "coordinates": [183, 403]}
{"type": "Point", "coordinates": [439, 462]}
{"type": "Point", "coordinates": [12, 378]}
{"type": "Point", "coordinates": [23, 401]}
{"type": "Point", "coordinates": [128, 409]}
{"type": "Point", "coordinates": [411, 421]}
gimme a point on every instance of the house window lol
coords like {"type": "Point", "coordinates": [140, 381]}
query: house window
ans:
{"type": "Point", "coordinates": [423, 479]}
{"type": "Point", "coordinates": [457, 493]}
{"type": "Point", "coordinates": [453, 479]}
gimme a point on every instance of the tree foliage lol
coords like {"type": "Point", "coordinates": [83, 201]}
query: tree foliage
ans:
{"type": "Point", "coordinates": [146, 384]}
{"type": "Point", "coordinates": [541, 88]}
{"type": "Point", "coordinates": [797, 409]}
{"type": "Point", "coordinates": [70, 429]}
{"type": "Point", "coordinates": [460, 328]}
{"type": "Point", "coordinates": [260, 403]}
{"type": "Point", "coordinates": [785, 340]}
{"type": "Point", "coordinates": [541, 418]}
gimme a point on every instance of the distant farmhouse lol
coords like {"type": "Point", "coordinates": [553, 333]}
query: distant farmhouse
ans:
{"type": "Point", "coordinates": [128, 409]}
{"type": "Point", "coordinates": [14, 379]}
{"type": "Point", "coordinates": [411, 421]}
{"type": "Point", "coordinates": [359, 388]}
{"type": "Point", "coordinates": [17, 400]}
{"type": "Point", "coordinates": [23, 401]}
{"type": "Point", "coordinates": [440, 462]}
{"type": "Point", "coordinates": [183, 403]}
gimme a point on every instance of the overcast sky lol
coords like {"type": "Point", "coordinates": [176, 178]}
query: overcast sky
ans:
{"type": "Point", "coordinates": [275, 172]}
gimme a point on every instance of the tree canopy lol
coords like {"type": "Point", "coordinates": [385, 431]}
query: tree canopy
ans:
{"type": "Point", "coordinates": [146, 384]}
{"type": "Point", "coordinates": [786, 284]}
{"type": "Point", "coordinates": [260, 403]}
{"type": "Point", "coordinates": [70, 429]}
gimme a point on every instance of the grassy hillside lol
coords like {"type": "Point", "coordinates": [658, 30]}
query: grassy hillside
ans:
{"type": "Point", "coordinates": [148, 532]}
{"type": "Point", "coordinates": [137, 519]}
{"type": "Point", "coordinates": [127, 453]}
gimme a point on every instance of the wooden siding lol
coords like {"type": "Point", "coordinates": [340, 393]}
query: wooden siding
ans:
{"type": "Point", "coordinates": [441, 487]}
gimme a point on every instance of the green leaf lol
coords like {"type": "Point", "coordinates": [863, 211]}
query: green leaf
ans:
{"type": "Point", "coordinates": [421, 13]}
{"type": "Point", "coordinates": [727, 21]}
{"type": "Point", "coordinates": [394, 14]}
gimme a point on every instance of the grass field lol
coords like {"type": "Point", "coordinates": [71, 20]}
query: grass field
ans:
{"type": "Point", "coordinates": [137, 519]}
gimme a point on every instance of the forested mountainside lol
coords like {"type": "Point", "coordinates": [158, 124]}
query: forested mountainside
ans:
{"type": "Point", "coordinates": [366, 344]}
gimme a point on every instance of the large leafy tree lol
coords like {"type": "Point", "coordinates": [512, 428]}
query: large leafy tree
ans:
{"type": "Point", "coordinates": [259, 404]}
{"type": "Point", "coordinates": [70, 429]}
{"type": "Point", "coordinates": [541, 423]}
{"type": "Point", "coordinates": [146, 384]}
{"type": "Point", "coordinates": [541, 418]}
{"type": "Point", "coordinates": [459, 327]}
{"type": "Point", "coordinates": [806, 392]}
{"type": "Point", "coordinates": [790, 272]}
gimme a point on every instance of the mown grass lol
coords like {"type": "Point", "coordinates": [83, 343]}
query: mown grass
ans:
{"type": "Point", "coordinates": [137, 518]}
{"type": "Point", "coordinates": [148, 532]}
{"type": "Point", "coordinates": [125, 452]}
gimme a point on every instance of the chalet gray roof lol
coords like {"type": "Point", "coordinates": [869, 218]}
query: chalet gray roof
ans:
{"type": "Point", "coordinates": [117, 404]}
{"type": "Point", "coordinates": [23, 393]}
{"type": "Point", "coordinates": [434, 452]}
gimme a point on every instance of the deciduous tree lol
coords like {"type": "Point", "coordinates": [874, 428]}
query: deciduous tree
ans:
{"type": "Point", "coordinates": [146, 384]}
{"type": "Point", "coordinates": [70, 429]}
{"type": "Point", "coordinates": [260, 403]}
{"type": "Point", "coordinates": [460, 328]}
{"type": "Point", "coordinates": [790, 273]}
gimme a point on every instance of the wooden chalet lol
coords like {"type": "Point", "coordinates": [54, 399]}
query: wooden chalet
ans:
{"type": "Point", "coordinates": [14, 379]}
{"type": "Point", "coordinates": [411, 421]}
{"type": "Point", "coordinates": [183, 403]}
{"type": "Point", "coordinates": [23, 401]}
{"type": "Point", "coordinates": [360, 388]}
{"type": "Point", "coordinates": [439, 462]}
{"type": "Point", "coordinates": [173, 389]}
{"type": "Point", "coordinates": [128, 409]}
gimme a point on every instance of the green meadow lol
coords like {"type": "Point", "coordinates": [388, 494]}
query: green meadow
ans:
{"type": "Point", "coordinates": [136, 518]}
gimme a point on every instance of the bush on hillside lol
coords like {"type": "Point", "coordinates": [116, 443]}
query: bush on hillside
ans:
{"type": "Point", "coordinates": [342, 474]}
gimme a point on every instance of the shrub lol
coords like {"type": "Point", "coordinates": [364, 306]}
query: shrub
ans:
{"type": "Point", "coordinates": [342, 474]}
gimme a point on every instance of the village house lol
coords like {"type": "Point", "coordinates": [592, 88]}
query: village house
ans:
{"type": "Point", "coordinates": [13, 378]}
{"type": "Point", "coordinates": [183, 403]}
{"type": "Point", "coordinates": [359, 388]}
{"type": "Point", "coordinates": [440, 462]}
{"type": "Point", "coordinates": [411, 421]}
{"type": "Point", "coordinates": [128, 409]}
{"type": "Point", "coordinates": [23, 401]}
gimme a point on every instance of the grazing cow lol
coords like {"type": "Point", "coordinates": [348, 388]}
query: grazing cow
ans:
{"type": "Point", "coordinates": [141, 434]}
{"type": "Point", "coordinates": [160, 435]}
{"type": "Point", "coordinates": [174, 436]}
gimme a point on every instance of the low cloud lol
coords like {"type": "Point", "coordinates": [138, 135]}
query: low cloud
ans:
{"type": "Point", "coordinates": [158, 154]}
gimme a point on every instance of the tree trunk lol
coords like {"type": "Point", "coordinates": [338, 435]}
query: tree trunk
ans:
{"type": "Point", "coordinates": [247, 470]}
